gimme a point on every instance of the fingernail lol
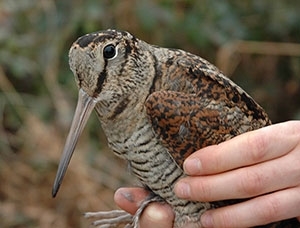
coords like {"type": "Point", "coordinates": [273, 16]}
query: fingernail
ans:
{"type": "Point", "coordinates": [128, 196]}
{"type": "Point", "coordinates": [155, 214]}
{"type": "Point", "coordinates": [206, 220]}
{"type": "Point", "coordinates": [123, 193]}
{"type": "Point", "coordinates": [192, 166]}
{"type": "Point", "coordinates": [182, 190]}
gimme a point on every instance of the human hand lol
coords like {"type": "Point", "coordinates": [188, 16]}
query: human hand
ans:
{"type": "Point", "coordinates": [255, 163]}
{"type": "Point", "coordinates": [159, 215]}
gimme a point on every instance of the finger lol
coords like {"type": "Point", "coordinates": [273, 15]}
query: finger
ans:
{"type": "Point", "coordinates": [262, 210]}
{"type": "Point", "coordinates": [157, 215]}
{"type": "Point", "coordinates": [245, 182]}
{"type": "Point", "coordinates": [244, 150]}
{"type": "Point", "coordinates": [129, 199]}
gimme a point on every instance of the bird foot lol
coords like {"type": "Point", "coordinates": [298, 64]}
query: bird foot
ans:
{"type": "Point", "coordinates": [120, 218]}
{"type": "Point", "coordinates": [109, 219]}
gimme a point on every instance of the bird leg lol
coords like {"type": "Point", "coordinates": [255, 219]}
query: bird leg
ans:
{"type": "Point", "coordinates": [116, 218]}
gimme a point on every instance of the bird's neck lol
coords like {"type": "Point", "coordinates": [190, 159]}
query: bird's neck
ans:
{"type": "Point", "coordinates": [124, 121]}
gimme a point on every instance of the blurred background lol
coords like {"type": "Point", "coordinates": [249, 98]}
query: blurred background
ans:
{"type": "Point", "coordinates": [253, 42]}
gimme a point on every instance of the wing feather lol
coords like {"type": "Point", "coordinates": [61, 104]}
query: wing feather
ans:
{"type": "Point", "coordinates": [214, 110]}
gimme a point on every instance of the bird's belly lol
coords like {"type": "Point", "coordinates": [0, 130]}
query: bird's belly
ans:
{"type": "Point", "coordinates": [151, 163]}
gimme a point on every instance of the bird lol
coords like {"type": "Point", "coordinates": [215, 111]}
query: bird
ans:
{"type": "Point", "coordinates": [156, 106]}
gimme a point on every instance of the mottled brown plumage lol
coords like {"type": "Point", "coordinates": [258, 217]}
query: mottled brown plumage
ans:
{"type": "Point", "coordinates": [156, 107]}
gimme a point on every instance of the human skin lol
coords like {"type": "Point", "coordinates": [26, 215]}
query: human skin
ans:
{"type": "Point", "coordinates": [252, 164]}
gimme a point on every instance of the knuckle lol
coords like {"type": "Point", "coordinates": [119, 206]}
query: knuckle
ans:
{"type": "Point", "coordinates": [257, 145]}
{"type": "Point", "coordinates": [296, 169]}
{"type": "Point", "coordinates": [227, 219]}
{"type": "Point", "coordinates": [296, 163]}
{"type": "Point", "coordinates": [293, 127]}
{"type": "Point", "coordinates": [271, 210]}
{"type": "Point", "coordinates": [251, 184]}
{"type": "Point", "coordinates": [204, 191]}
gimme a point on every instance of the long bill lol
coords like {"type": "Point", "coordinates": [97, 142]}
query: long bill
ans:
{"type": "Point", "coordinates": [85, 106]}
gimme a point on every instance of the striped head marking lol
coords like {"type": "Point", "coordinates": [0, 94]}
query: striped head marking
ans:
{"type": "Point", "coordinates": [107, 68]}
{"type": "Point", "coordinates": [94, 56]}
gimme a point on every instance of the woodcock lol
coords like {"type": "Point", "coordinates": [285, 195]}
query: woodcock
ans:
{"type": "Point", "coordinates": [156, 106]}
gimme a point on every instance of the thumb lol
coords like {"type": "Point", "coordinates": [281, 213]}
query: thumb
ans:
{"type": "Point", "coordinates": [157, 215]}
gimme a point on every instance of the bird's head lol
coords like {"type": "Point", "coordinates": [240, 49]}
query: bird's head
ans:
{"type": "Point", "coordinates": [98, 57]}
{"type": "Point", "coordinates": [109, 68]}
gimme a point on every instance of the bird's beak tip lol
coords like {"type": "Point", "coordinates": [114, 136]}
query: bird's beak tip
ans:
{"type": "Point", "coordinates": [54, 192]}
{"type": "Point", "coordinates": [85, 105]}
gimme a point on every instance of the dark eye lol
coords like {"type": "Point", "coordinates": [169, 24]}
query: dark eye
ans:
{"type": "Point", "coordinates": [109, 51]}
